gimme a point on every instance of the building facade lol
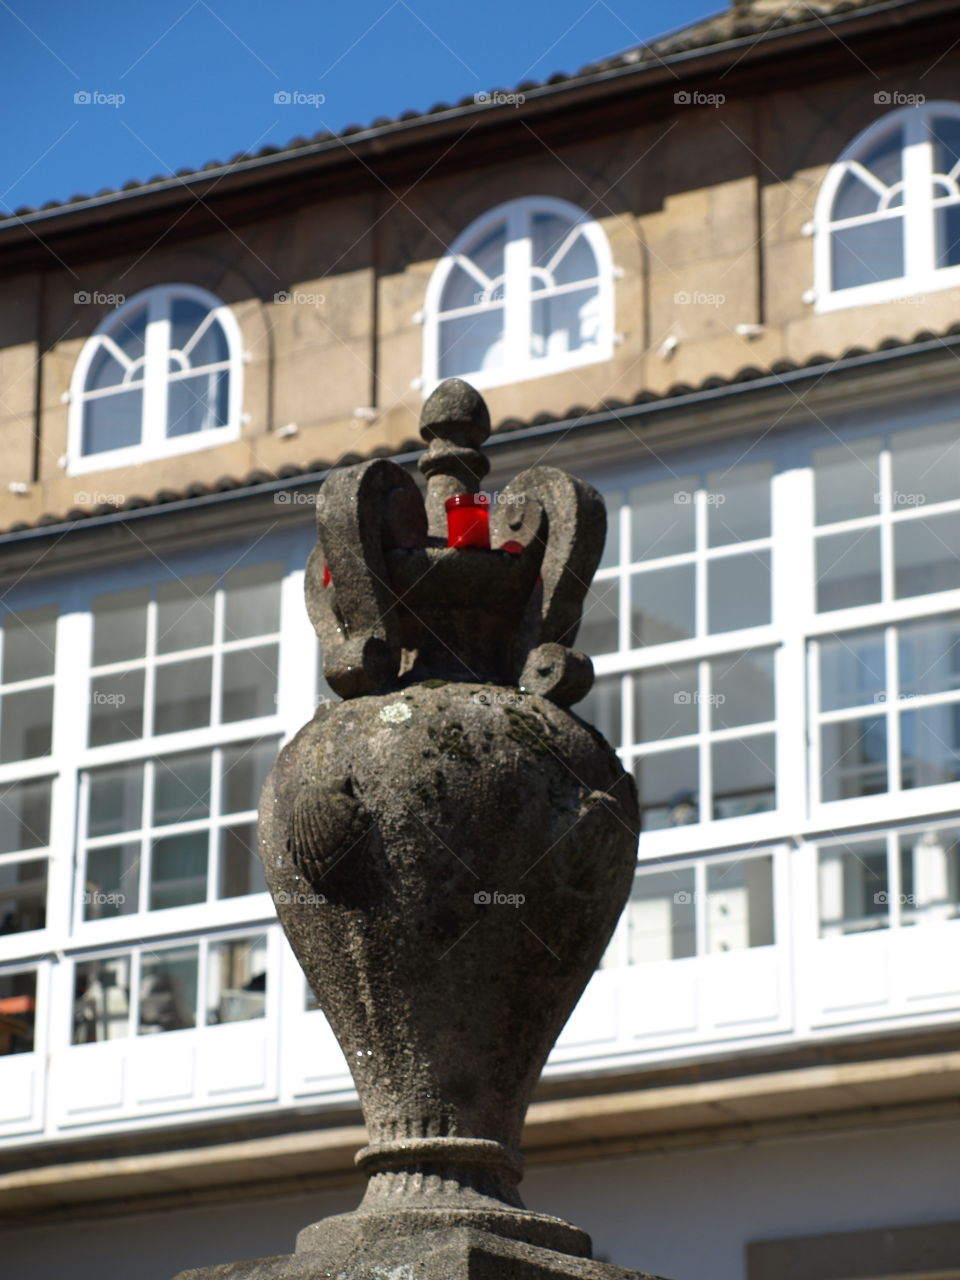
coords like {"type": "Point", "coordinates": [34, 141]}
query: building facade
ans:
{"type": "Point", "coordinates": [719, 277]}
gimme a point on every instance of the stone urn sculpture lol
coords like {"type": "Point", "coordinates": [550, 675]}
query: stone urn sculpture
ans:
{"type": "Point", "coordinates": [449, 846]}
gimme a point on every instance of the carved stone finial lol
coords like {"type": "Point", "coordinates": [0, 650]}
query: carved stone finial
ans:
{"type": "Point", "coordinates": [455, 422]}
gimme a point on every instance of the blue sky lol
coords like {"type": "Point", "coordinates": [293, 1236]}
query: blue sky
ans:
{"type": "Point", "coordinates": [174, 84]}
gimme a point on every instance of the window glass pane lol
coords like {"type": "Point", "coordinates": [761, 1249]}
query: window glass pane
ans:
{"type": "Point", "coordinates": [738, 504]}
{"type": "Point", "coordinates": [853, 670]}
{"type": "Point", "coordinates": [200, 402]}
{"type": "Point", "coordinates": [29, 641]}
{"type": "Point", "coordinates": [241, 870]}
{"type": "Point", "coordinates": [18, 1011]}
{"type": "Point", "coordinates": [116, 708]}
{"type": "Point", "coordinates": [738, 591]}
{"type": "Point", "coordinates": [662, 605]}
{"type": "Point", "coordinates": [181, 788]}
{"type": "Point", "coordinates": [666, 702]}
{"type": "Point", "coordinates": [185, 613]}
{"type": "Point", "coordinates": [567, 322]}
{"type": "Point", "coordinates": [847, 481]}
{"type": "Point", "coordinates": [168, 990]}
{"type": "Point", "coordinates": [741, 689]}
{"type": "Point", "coordinates": [472, 342]}
{"type": "Point", "coordinates": [930, 875]}
{"type": "Point", "coordinates": [854, 892]}
{"type": "Point", "coordinates": [25, 815]}
{"type": "Point", "coordinates": [744, 776]}
{"type": "Point", "coordinates": [599, 627]}
{"type": "Point", "coordinates": [848, 569]}
{"type": "Point", "coordinates": [115, 799]}
{"type": "Point", "coordinates": [945, 134]}
{"type": "Point", "coordinates": [112, 421]}
{"type": "Point", "coordinates": [867, 252]}
{"type": "Point", "coordinates": [930, 746]}
{"type": "Point", "coordinates": [487, 254]}
{"type": "Point", "coordinates": [601, 708]}
{"type": "Point", "coordinates": [661, 916]}
{"type": "Point", "coordinates": [183, 695]}
{"type": "Point", "coordinates": [464, 290]}
{"type": "Point", "coordinates": [244, 770]}
{"type": "Point", "coordinates": [662, 518]}
{"type": "Point", "coordinates": [929, 656]}
{"type": "Point", "coordinates": [120, 626]}
{"type": "Point", "coordinates": [23, 898]}
{"type": "Point", "coordinates": [130, 332]}
{"type": "Point", "coordinates": [186, 317]}
{"type": "Point", "coordinates": [549, 234]}
{"type": "Point", "coordinates": [925, 553]}
{"type": "Point", "coordinates": [668, 783]}
{"type": "Point", "coordinates": [739, 907]}
{"type": "Point", "coordinates": [885, 161]}
{"type": "Point", "coordinates": [26, 724]}
{"type": "Point", "coordinates": [611, 548]}
{"type": "Point", "coordinates": [854, 758]}
{"type": "Point", "coordinates": [237, 980]}
{"type": "Point", "coordinates": [252, 601]}
{"type": "Point", "coordinates": [249, 683]}
{"type": "Point", "coordinates": [106, 370]}
{"type": "Point", "coordinates": [179, 870]}
{"type": "Point", "coordinates": [112, 884]}
{"type": "Point", "coordinates": [947, 231]}
{"type": "Point", "coordinates": [926, 466]}
{"type": "Point", "coordinates": [101, 1003]}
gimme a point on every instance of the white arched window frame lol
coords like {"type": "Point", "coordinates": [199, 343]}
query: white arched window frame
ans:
{"type": "Point", "coordinates": [152, 367]}
{"type": "Point", "coordinates": [516, 290]}
{"type": "Point", "coordinates": [916, 200]}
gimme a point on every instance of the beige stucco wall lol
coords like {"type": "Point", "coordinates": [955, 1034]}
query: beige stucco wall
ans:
{"type": "Point", "coordinates": [705, 213]}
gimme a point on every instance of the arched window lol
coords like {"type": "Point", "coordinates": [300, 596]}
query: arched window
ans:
{"type": "Point", "coordinates": [161, 375]}
{"type": "Point", "coordinates": [887, 222]}
{"type": "Point", "coordinates": [526, 290]}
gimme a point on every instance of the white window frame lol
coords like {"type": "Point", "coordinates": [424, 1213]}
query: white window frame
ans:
{"type": "Point", "coordinates": [154, 442]}
{"type": "Point", "coordinates": [921, 275]}
{"type": "Point", "coordinates": [517, 304]}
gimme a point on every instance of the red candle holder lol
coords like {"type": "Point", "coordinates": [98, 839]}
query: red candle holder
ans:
{"type": "Point", "coordinates": [468, 520]}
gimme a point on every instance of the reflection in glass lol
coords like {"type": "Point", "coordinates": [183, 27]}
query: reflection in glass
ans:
{"type": "Point", "coordinates": [738, 591]}
{"type": "Point", "coordinates": [168, 990]}
{"type": "Point", "coordinates": [252, 601]}
{"type": "Point", "coordinates": [668, 783]}
{"type": "Point", "coordinates": [847, 480]}
{"type": "Point", "coordinates": [29, 643]}
{"type": "Point", "coordinates": [854, 892]}
{"type": "Point", "coordinates": [181, 787]}
{"type": "Point", "coordinates": [241, 871]}
{"type": "Point", "coordinates": [237, 980]}
{"type": "Point", "coordinates": [926, 554]}
{"type": "Point", "coordinates": [26, 724]}
{"type": "Point", "coordinates": [179, 870]}
{"type": "Point", "coordinates": [853, 670]}
{"type": "Point", "coordinates": [249, 683]}
{"type": "Point", "coordinates": [25, 815]}
{"type": "Point", "coordinates": [101, 1002]}
{"type": "Point", "coordinates": [741, 687]}
{"type": "Point", "coordinates": [599, 628]}
{"type": "Point", "coordinates": [120, 626]}
{"type": "Point", "coordinates": [738, 504]}
{"type": "Point", "coordinates": [744, 776]}
{"type": "Point", "coordinates": [243, 771]}
{"type": "Point", "coordinates": [666, 702]}
{"type": "Point", "coordinates": [185, 613]}
{"type": "Point", "coordinates": [115, 799]}
{"type": "Point", "coordinates": [112, 883]}
{"type": "Point", "coordinates": [661, 916]}
{"type": "Point", "coordinates": [930, 875]}
{"type": "Point", "coordinates": [663, 518]}
{"type": "Point", "coordinates": [739, 906]}
{"type": "Point", "coordinates": [601, 708]}
{"type": "Point", "coordinates": [930, 746]}
{"type": "Point", "coordinates": [662, 606]}
{"type": "Point", "coordinates": [18, 1011]}
{"type": "Point", "coordinates": [23, 897]}
{"type": "Point", "coordinates": [854, 758]}
{"type": "Point", "coordinates": [182, 698]}
{"type": "Point", "coordinates": [926, 466]}
{"type": "Point", "coordinates": [116, 707]}
{"type": "Point", "coordinates": [848, 569]}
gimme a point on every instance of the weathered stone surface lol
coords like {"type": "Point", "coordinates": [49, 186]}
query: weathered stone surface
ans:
{"type": "Point", "coordinates": [448, 852]}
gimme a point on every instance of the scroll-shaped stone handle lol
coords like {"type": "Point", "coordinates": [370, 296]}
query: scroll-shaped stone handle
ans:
{"type": "Point", "coordinates": [362, 513]}
{"type": "Point", "coordinates": [569, 517]}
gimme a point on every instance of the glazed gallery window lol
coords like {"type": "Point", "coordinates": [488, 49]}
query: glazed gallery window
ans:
{"type": "Point", "coordinates": [186, 654]}
{"type": "Point", "coordinates": [161, 375]}
{"type": "Point", "coordinates": [172, 831]}
{"type": "Point", "coordinates": [174, 987]}
{"type": "Point", "coordinates": [18, 1011]}
{"type": "Point", "coordinates": [887, 222]}
{"type": "Point", "coordinates": [891, 880]}
{"type": "Point", "coordinates": [697, 908]}
{"type": "Point", "coordinates": [526, 290]}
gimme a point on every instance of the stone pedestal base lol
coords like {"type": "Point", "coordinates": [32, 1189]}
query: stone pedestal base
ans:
{"type": "Point", "coordinates": [459, 1253]}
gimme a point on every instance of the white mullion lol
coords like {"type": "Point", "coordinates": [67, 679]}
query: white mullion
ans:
{"type": "Point", "coordinates": [704, 748]}
{"type": "Point", "coordinates": [149, 666]}
{"type": "Point", "coordinates": [628, 695]}
{"type": "Point", "coordinates": [700, 906]}
{"type": "Point", "coordinates": [146, 837]}
{"type": "Point", "coordinates": [216, 684]}
{"type": "Point", "coordinates": [894, 882]}
{"type": "Point", "coordinates": [887, 567]}
{"type": "Point", "coordinates": [793, 599]}
{"type": "Point", "coordinates": [155, 347]}
{"type": "Point", "coordinates": [214, 840]}
{"type": "Point", "coordinates": [518, 298]}
{"type": "Point", "coordinates": [919, 246]}
{"type": "Point", "coordinates": [701, 621]}
{"type": "Point", "coordinates": [203, 978]}
{"type": "Point", "coordinates": [298, 648]}
{"type": "Point", "coordinates": [136, 969]}
{"type": "Point", "coordinates": [891, 709]}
